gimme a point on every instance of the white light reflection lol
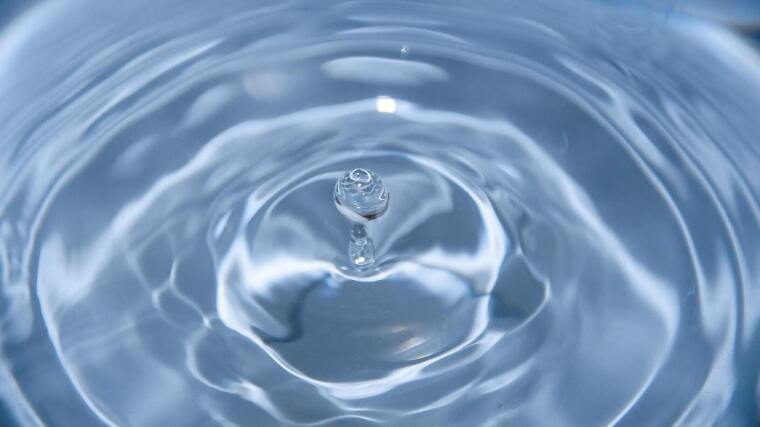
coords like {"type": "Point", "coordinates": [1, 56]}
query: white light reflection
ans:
{"type": "Point", "coordinates": [386, 104]}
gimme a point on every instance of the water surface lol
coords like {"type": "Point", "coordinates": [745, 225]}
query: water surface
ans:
{"type": "Point", "coordinates": [571, 237]}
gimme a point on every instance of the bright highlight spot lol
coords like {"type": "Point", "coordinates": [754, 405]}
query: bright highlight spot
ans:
{"type": "Point", "coordinates": [386, 104]}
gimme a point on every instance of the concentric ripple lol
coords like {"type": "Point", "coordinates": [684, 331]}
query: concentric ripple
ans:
{"type": "Point", "coordinates": [572, 236]}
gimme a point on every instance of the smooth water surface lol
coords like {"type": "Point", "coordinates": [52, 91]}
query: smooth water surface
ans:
{"type": "Point", "coordinates": [570, 236]}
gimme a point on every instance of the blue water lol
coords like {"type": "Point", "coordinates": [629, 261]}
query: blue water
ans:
{"type": "Point", "coordinates": [570, 236]}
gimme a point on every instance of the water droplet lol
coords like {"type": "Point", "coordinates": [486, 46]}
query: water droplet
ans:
{"type": "Point", "coordinates": [361, 196]}
{"type": "Point", "coordinates": [361, 249]}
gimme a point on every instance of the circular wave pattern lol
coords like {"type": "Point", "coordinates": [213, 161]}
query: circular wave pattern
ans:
{"type": "Point", "coordinates": [571, 240]}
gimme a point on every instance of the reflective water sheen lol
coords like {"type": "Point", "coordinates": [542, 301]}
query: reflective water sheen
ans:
{"type": "Point", "coordinates": [571, 237]}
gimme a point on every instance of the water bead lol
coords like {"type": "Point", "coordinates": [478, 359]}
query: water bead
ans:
{"type": "Point", "coordinates": [361, 196]}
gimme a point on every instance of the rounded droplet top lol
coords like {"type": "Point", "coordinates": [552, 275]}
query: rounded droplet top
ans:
{"type": "Point", "coordinates": [360, 195]}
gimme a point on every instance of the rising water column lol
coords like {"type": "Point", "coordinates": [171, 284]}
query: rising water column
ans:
{"type": "Point", "coordinates": [361, 197]}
